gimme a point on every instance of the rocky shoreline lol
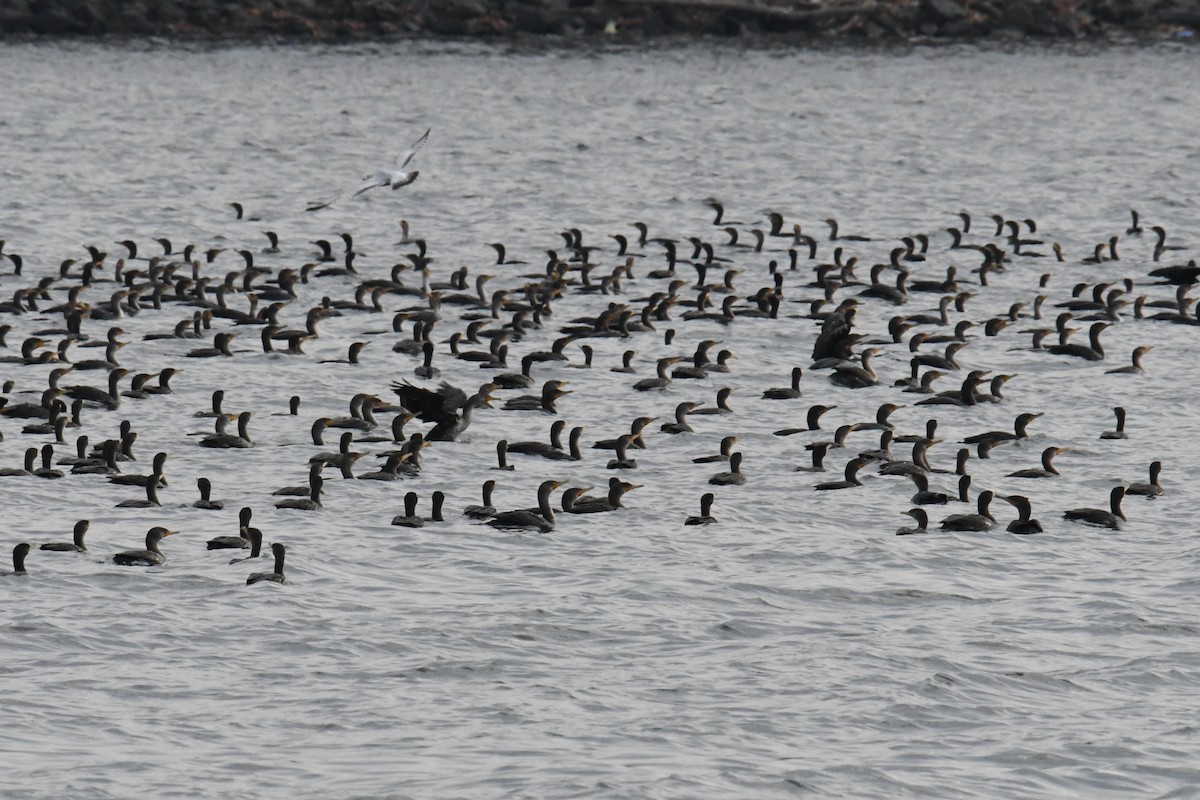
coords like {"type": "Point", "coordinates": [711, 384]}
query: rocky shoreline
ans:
{"type": "Point", "coordinates": [833, 20]}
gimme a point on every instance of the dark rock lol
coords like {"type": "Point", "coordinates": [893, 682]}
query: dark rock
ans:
{"type": "Point", "coordinates": [943, 10]}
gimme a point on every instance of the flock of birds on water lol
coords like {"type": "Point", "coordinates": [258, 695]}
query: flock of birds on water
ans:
{"type": "Point", "coordinates": [643, 288]}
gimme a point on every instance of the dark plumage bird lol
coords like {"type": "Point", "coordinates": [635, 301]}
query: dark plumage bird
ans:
{"type": "Point", "coordinates": [851, 477]}
{"type": "Point", "coordinates": [835, 333]}
{"type": "Point", "coordinates": [1119, 433]}
{"type": "Point", "coordinates": [978, 522]}
{"type": "Point", "coordinates": [813, 420]}
{"type": "Point", "coordinates": [680, 425]}
{"type": "Point", "coordinates": [734, 476]}
{"type": "Point", "coordinates": [727, 444]}
{"type": "Point", "coordinates": [856, 376]}
{"type": "Point", "coordinates": [449, 421]}
{"type": "Point", "coordinates": [76, 545]}
{"type": "Point", "coordinates": [1096, 516]}
{"type": "Point", "coordinates": [1136, 367]}
{"type": "Point", "coordinates": [923, 496]}
{"type": "Point", "coordinates": [617, 489]}
{"type": "Point", "coordinates": [922, 519]}
{"type": "Point", "coordinates": [234, 542]}
{"type": "Point", "coordinates": [485, 510]}
{"type": "Point", "coordinates": [523, 519]}
{"type": "Point", "coordinates": [661, 379]}
{"type": "Point", "coordinates": [1047, 470]}
{"type": "Point", "coordinates": [1093, 351]}
{"type": "Point", "coordinates": [721, 406]}
{"type": "Point", "coordinates": [310, 503]}
{"type": "Point", "coordinates": [1024, 523]}
{"type": "Point", "coordinates": [276, 575]}
{"type": "Point", "coordinates": [1150, 489]}
{"type": "Point", "coordinates": [18, 558]}
{"type": "Point", "coordinates": [204, 485]}
{"type": "Point", "coordinates": [705, 516]}
{"type": "Point", "coordinates": [1020, 426]}
{"type": "Point", "coordinates": [151, 556]}
{"type": "Point", "coordinates": [533, 447]}
{"type": "Point", "coordinates": [551, 391]}
{"type": "Point", "coordinates": [786, 393]}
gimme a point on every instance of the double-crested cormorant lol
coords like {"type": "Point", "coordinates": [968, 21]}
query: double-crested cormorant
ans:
{"type": "Point", "coordinates": [105, 465]}
{"type": "Point", "coordinates": [922, 519]}
{"type": "Point", "coordinates": [218, 397]}
{"type": "Point", "coordinates": [835, 332]}
{"type": "Point", "coordinates": [700, 361]}
{"type": "Point", "coordinates": [410, 518]}
{"type": "Point", "coordinates": [635, 432]}
{"type": "Point", "coordinates": [533, 447]}
{"type": "Point", "coordinates": [851, 478]}
{"type": "Point", "coordinates": [919, 465]}
{"type": "Point", "coordinates": [818, 449]}
{"type": "Point", "coordinates": [572, 452]}
{"type": "Point", "coordinates": [1119, 433]}
{"type": "Point", "coordinates": [833, 233]}
{"type": "Point", "coordinates": [255, 537]}
{"type": "Point", "coordinates": [149, 557]}
{"type": "Point", "coordinates": [31, 454]}
{"type": "Point", "coordinates": [980, 521]}
{"type": "Point", "coordinates": [786, 393]}
{"type": "Point", "coordinates": [221, 439]}
{"type": "Point", "coordinates": [220, 347]}
{"type": "Point", "coordinates": [521, 518]}
{"type": "Point", "coordinates": [1047, 470]}
{"type": "Point", "coordinates": [151, 501]}
{"type": "Point", "coordinates": [1024, 524]}
{"type": "Point", "coordinates": [593, 505]}
{"type": "Point", "coordinates": [310, 503]}
{"type": "Point", "coordinates": [234, 542]}
{"type": "Point", "coordinates": [661, 379]}
{"type": "Point", "coordinates": [75, 546]}
{"type": "Point", "coordinates": [1096, 516]}
{"type": "Point", "coordinates": [1151, 489]}
{"type": "Point", "coordinates": [734, 476]}
{"type": "Point", "coordinates": [929, 436]}
{"type": "Point", "coordinates": [680, 425]}
{"type": "Point", "coordinates": [721, 405]}
{"type": "Point", "coordinates": [523, 380]}
{"type": "Point", "coordinates": [727, 444]}
{"type": "Point", "coordinates": [813, 421]}
{"type": "Point", "coordinates": [551, 391]}
{"type": "Point", "coordinates": [276, 575]}
{"type": "Point", "coordinates": [426, 368]}
{"type": "Point", "coordinates": [1093, 351]}
{"type": "Point", "coordinates": [705, 516]}
{"type": "Point", "coordinates": [160, 460]}
{"type": "Point", "coordinates": [621, 459]}
{"type": "Point", "coordinates": [206, 502]}
{"type": "Point", "coordinates": [882, 422]}
{"type": "Point", "coordinates": [1136, 367]}
{"type": "Point", "coordinates": [856, 376]}
{"type": "Point", "coordinates": [1019, 431]}
{"type": "Point", "coordinates": [47, 469]}
{"type": "Point", "coordinates": [883, 452]}
{"type": "Point", "coordinates": [449, 421]}
{"type": "Point", "coordinates": [924, 496]}
{"type": "Point", "coordinates": [487, 509]}
{"type": "Point", "coordinates": [18, 558]}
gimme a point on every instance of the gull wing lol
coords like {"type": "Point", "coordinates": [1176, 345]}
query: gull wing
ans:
{"type": "Point", "coordinates": [407, 156]}
{"type": "Point", "coordinates": [369, 182]}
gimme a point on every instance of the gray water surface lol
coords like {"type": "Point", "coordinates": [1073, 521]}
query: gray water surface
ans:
{"type": "Point", "coordinates": [796, 648]}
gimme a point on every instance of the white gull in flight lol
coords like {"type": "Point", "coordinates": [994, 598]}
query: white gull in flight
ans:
{"type": "Point", "coordinates": [395, 177]}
